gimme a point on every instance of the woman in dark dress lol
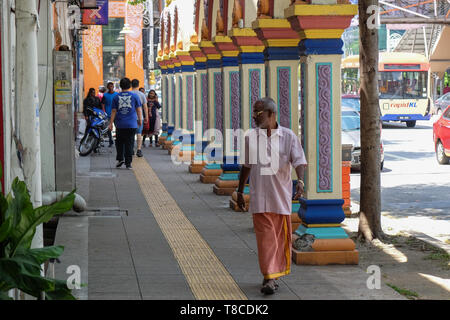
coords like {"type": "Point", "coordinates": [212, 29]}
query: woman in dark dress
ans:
{"type": "Point", "coordinates": [91, 102]}
{"type": "Point", "coordinates": [153, 107]}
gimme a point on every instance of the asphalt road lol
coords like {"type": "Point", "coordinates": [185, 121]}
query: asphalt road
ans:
{"type": "Point", "coordinates": [415, 189]}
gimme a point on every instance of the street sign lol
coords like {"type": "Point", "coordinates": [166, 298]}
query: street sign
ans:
{"type": "Point", "coordinates": [97, 16]}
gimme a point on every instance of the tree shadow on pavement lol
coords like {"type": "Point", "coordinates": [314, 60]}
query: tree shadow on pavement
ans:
{"type": "Point", "coordinates": [410, 266]}
{"type": "Point", "coordinates": [430, 200]}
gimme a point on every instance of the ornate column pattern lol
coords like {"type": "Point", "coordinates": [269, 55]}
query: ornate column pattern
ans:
{"type": "Point", "coordinates": [229, 179]}
{"type": "Point", "coordinates": [201, 107]}
{"type": "Point", "coordinates": [213, 170]}
{"type": "Point", "coordinates": [218, 102]}
{"type": "Point", "coordinates": [235, 98]}
{"type": "Point", "coordinates": [320, 27]}
{"type": "Point", "coordinates": [190, 102]}
{"type": "Point", "coordinates": [204, 99]}
{"type": "Point", "coordinates": [324, 127]}
{"type": "Point", "coordinates": [255, 93]}
{"type": "Point", "coordinates": [284, 96]}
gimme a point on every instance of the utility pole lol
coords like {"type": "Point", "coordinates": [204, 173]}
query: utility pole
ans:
{"type": "Point", "coordinates": [27, 103]}
{"type": "Point", "coordinates": [370, 204]}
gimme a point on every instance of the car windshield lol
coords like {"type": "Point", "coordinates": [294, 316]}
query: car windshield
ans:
{"type": "Point", "coordinates": [350, 121]}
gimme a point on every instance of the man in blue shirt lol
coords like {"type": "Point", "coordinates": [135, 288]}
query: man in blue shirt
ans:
{"type": "Point", "coordinates": [107, 105]}
{"type": "Point", "coordinates": [127, 116]}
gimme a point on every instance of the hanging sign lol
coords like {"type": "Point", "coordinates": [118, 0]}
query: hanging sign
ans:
{"type": "Point", "coordinates": [97, 16]}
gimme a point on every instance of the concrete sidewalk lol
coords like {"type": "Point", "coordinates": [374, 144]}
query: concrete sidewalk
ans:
{"type": "Point", "coordinates": [123, 253]}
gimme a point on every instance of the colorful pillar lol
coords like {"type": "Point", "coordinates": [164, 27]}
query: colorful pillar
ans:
{"type": "Point", "coordinates": [164, 100]}
{"type": "Point", "coordinates": [187, 97]}
{"type": "Point", "coordinates": [229, 179]}
{"type": "Point", "coordinates": [178, 90]}
{"type": "Point", "coordinates": [252, 80]}
{"type": "Point", "coordinates": [201, 107]}
{"type": "Point", "coordinates": [252, 71]}
{"type": "Point", "coordinates": [213, 170]}
{"type": "Point", "coordinates": [170, 102]}
{"type": "Point", "coordinates": [177, 93]}
{"type": "Point", "coordinates": [320, 239]}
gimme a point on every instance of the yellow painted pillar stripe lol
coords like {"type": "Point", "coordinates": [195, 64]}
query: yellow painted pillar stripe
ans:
{"type": "Point", "coordinates": [205, 274]}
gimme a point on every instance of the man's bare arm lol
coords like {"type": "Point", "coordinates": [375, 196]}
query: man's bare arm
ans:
{"type": "Point", "coordinates": [113, 116]}
{"type": "Point", "coordinates": [300, 170]}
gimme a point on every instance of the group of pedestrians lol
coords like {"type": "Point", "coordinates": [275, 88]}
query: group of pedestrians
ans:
{"type": "Point", "coordinates": [131, 112]}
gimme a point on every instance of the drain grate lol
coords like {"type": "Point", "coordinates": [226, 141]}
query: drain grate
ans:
{"type": "Point", "coordinates": [103, 212]}
{"type": "Point", "coordinates": [96, 175]}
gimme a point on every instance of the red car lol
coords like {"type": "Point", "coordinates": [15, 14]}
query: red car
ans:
{"type": "Point", "coordinates": [441, 137]}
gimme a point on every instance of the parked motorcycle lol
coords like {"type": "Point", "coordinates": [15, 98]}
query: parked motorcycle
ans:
{"type": "Point", "coordinates": [96, 130]}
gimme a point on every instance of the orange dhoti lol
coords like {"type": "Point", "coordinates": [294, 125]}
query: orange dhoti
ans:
{"type": "Point", "coordinates": [274, 238]}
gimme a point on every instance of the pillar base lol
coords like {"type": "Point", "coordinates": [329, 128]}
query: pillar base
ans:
{"type": "Point", "coordinates": [323, 246]}
{"type": "Point", "coordinates": [198, 162]}
{"type": "Point", "coordinates": [196, 168]}
{"type": "Point", "coordinates": [210, 173]}
{"type": "Point", "coordinates": [227, 183]}
{"type": "Point", "coordinates": [233, 200]}
{"type": "Point", "coordinates": [325, 258]}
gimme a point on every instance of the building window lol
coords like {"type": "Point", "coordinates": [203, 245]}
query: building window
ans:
{"type": "Point", "coordinates": [113, 51]}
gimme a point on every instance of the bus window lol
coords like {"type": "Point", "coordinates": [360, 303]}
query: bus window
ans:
{"type": "Point", "coordinates": [415, 84]}
{"type": "Point", "coordinates": [390, 85]}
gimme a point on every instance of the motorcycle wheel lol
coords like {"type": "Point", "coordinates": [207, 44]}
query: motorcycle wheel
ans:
{"type": "Point", "coordinates": [88, 144]}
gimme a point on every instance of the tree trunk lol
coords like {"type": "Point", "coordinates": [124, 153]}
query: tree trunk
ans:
{"type": "Point", "coordinates": [370, 202]}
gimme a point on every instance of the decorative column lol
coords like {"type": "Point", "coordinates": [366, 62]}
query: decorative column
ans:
{"type": "Point", "coordinates": [201, 108]}
{"type": "Point", "coordinates": [164, 98]}
{"type": "Point", "coordinates": [213, 170]}
{"type": "Point", "coordinates": [186, 152]}
{"type": "Point", "coordinates": [228, 181]}
{"type": "Point", "coordinates": [253, 83]}
{"type": "Point", "coordinates": [320, 239]}
{"type": "Point", "coordinates": [177, 98]}
{"type": "Point", "coordinates": [170, 102]}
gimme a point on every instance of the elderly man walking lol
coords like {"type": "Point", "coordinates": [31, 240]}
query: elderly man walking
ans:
{"type": "Point", "coordinates": [271, 189]}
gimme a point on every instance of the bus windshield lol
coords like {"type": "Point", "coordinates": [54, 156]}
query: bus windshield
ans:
{"type": "Point", "coordinates": [402, 84]}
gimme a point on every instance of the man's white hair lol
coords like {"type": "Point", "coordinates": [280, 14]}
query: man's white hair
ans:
{"type": "Point", "coordinates": [268, 104]}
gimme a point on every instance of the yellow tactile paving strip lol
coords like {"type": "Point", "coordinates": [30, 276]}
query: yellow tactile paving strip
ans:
{"type": "Point", "coordinates": [205, 274]}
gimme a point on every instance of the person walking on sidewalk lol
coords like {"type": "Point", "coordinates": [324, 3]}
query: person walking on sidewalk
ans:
{"type": "Point", "coordinates": [143, 99]}
{"type": "Point", "coordinates": [153, 128]}
{"type": "Point", "coordinates": [126, 114]}
{"type": "Point", "coordinates": [107, 106]}
{"type": "Point", "coordinates": [271, 189]}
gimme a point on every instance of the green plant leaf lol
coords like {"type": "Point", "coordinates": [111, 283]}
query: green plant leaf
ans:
{"type": "Point", "coordinates": [24, 232]}
{"type": "Point", "coordinates": [61, 292]}
{"type": "Point", "coordinates": [24, 274]}
{"type": "Point", "coordinates": [20, 204]}
{"type": "Point", "coordinates": [44, 254]}
{"type": "Point", "coordinates": [5, 229]}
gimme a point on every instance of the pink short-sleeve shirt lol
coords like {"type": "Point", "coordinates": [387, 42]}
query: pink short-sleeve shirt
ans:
{"type": "Point", "coordinates": [270, 175]}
